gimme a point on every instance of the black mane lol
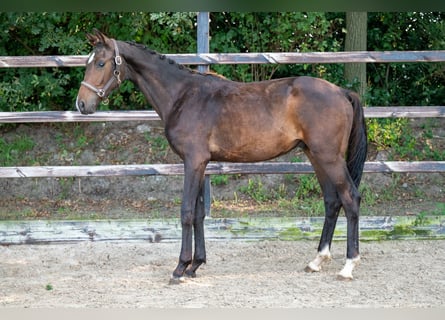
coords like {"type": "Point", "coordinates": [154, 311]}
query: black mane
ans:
{"type": "Point", "coordinates": [170, 61]}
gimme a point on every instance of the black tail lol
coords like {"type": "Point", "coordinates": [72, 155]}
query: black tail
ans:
{"type": "Point", "coordinates": [358, 140]}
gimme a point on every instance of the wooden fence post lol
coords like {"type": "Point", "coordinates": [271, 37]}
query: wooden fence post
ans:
{"type": "Point", "coordinates": [203, 47]}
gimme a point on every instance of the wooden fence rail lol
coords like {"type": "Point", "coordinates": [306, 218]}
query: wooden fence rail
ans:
{"type": "Point", "coordinates": [243, 58]}
{"type": "Point", "coordinates": [269, 167]}
{"type": "Point", "coordinates": [115, 116]}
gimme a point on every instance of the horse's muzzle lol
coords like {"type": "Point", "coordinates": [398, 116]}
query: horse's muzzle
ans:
{"type": "Point", "coordinates": [82, 107]}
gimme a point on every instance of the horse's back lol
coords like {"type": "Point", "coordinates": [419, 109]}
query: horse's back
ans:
{"type": "Point", "coordinates": [262, 120]}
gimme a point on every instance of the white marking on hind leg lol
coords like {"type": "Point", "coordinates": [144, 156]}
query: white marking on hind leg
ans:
{"type": "Point", "coordinates": [346, 272]}
{"type": "Point", "coordinates": [322, 256]}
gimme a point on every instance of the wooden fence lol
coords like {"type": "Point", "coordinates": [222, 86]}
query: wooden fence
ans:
{"type": "Point", "coordinates": [217, 168]}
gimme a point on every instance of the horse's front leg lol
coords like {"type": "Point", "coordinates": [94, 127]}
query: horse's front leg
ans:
{"type": "Point", "coordinates": [199, 256]}
{"type": "Point", "coordinates": [193, 181]}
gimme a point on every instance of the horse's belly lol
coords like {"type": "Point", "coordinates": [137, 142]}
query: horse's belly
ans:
{"type": "Point", "coordinates": [250, 151]}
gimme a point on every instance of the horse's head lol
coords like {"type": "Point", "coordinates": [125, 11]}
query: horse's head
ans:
{"type": "Point", "coordinates": [103, 73]}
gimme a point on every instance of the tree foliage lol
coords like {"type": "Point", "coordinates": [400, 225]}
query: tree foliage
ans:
{"type": "Point", "coordinates": [407, 84]}
{"type": "Point", "coordinates": [64, 34]}
{"type": "Point", "coordinates": [273, 32]}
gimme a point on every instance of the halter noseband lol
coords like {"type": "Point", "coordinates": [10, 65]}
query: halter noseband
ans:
{"type": "Point", "coordinates": [116, 72]}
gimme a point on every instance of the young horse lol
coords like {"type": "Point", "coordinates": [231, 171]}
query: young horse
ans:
{"type": "Point", "coordinates": [209, 118]}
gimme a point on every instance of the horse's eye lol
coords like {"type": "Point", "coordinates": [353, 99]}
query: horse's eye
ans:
{"type": "Point", "coordinates": [101, 64]}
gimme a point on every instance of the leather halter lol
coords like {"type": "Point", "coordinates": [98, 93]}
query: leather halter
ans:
{"type": "Point", "coordinates": [116, 76]}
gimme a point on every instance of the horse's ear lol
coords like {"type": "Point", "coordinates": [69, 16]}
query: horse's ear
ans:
{"type": "Point", "coordinates": [98, 38]}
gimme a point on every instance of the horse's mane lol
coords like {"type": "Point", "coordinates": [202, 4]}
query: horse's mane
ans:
{"type": "Point", "coordinates": [173, 62]}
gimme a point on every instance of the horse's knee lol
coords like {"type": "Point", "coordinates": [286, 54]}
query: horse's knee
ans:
{"type": "Point", "coordinates": [332, 207]}
{"type": "Point", "coordinates": [187, 218]}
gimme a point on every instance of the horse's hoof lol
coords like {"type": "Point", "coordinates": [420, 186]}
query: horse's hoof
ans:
{"type": "Point", "coordinates": [190, 274]}
{"type": "Point", "coordinates": [341, 277]}
{"type": "Point", "coordinates": [176, 280]}
{"type": "Point", "coordinates": [346, 272]}
{"type": "Point", "coordinates": [309, 269]}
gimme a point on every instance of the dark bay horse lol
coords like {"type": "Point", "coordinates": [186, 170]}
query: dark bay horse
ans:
{"type": "Point", "coordinates": [209, 118]}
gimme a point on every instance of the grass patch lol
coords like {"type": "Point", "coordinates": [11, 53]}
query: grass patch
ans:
{"type": "Point", "coordinates": [256, 190]}
{"type": "Point", "coordinates": [14, 152]}
{"type": "Point", "coordinates": [439, 210]}
{"type": "Point", "coordinates": [219, 179]}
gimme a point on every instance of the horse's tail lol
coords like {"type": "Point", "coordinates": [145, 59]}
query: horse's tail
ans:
{"type": "Point", "coordinates": [358, 141]}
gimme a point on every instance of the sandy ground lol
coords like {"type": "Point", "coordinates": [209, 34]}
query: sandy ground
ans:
{"type": "Point", "coordinates": [237, 274]}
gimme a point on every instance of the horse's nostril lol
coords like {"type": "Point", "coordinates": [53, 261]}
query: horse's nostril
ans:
{"type": "Point", "coordinates": [80, 105]}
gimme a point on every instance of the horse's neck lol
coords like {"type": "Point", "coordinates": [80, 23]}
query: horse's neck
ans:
{"type": "Point", "coordinates": [160, 81]}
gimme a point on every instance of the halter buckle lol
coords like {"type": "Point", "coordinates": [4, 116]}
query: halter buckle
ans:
{"type": "Point", "coordinates": [118, 60]}
{"type": "Point", "coordinates": [117, 74]}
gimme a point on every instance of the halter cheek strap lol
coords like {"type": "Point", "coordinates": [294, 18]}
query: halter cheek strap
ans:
{"type": "Point", "coordinates": [116, 76]}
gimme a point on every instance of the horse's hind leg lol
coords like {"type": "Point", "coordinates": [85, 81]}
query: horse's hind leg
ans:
{"type": "Point", "coordinates": [351, 204]}
{"type": "Point", "coordinates": [338, 190]}
{"type": "Point", "coordinates": [332, 207]}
